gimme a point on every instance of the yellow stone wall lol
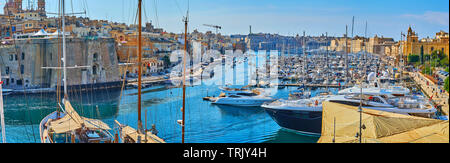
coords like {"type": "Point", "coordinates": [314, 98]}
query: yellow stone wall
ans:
{"type": "Point", "coordinates": [413, 45]}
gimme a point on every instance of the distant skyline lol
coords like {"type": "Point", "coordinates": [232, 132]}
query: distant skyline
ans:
{"type": "Point", "coordinates": [287, 17]}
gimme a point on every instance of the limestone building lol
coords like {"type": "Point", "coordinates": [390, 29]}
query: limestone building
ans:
{"type": "Point", "coordinates": [413, 45]}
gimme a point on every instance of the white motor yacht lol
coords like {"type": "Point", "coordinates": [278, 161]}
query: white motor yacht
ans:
{"type": "Point", "coordinates": [305, 115]}
{"type": "Point", "coordinates": [253, 99]}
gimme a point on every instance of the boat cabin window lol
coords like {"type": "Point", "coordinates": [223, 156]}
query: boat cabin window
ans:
{"type": "Point", "coordinates": [351, 103]}
{"type": "Point", "coordinates": [376, 99]}
{"type": "Point", "coordinates": [247, 94]}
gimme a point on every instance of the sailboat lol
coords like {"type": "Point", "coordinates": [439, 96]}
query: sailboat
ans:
{"type": "Point", "coordinates": [67, 126]}
{"type": "Point", "coordinates": [127, 133]}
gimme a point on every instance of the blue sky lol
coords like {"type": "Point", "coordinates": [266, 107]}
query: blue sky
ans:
{"type": "Point", "coordinates": [286, 17]}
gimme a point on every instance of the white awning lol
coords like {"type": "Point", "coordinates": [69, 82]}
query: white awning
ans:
{"type": "Point", "coordinates": [41, 33]}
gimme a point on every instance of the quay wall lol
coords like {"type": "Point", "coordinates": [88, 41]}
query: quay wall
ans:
{"type": "Point", "coordinates": [431, 89]}
{"type": "Point", "coordinates": [22, 63]}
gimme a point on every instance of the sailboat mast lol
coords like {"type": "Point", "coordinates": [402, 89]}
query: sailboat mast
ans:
{"type": "Point", "coordinates": [184, 78]}
{"type": "Point", "coordinates": [365, 52]}
{"type": "Point", "coordinates": [2, 115]}
{"type": "Point", "coordinates": [139, 65]}
{"type": "Point", "coordinates": [328, 65]}
{"type": "Point", "coordinates": [346, 54]}
{"type": "Point", "coordinates": [64, 48]}
{"type": "Point", "coordinates": [305, 70]}
{"type": "Point", "coordinates": [351, 43]}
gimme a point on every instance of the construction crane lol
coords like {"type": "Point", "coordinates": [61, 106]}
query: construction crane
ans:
{"type": "Point", "coordinates": [214, 26]}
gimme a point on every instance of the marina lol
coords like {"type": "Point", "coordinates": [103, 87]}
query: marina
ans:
{"type": "Point", "coordinates": [76, 80]}
{"type": "Point", "coordinates": [209, 122]}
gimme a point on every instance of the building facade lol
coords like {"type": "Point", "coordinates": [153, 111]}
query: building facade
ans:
{"type": "Point", "coordinates": [413, 45]}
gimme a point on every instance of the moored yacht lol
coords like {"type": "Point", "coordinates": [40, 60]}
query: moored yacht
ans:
{"type": "Point", "coordinates": [245, 99]}
{"type": "Point", "coordinates": [390, 90]}
{"type": "Point", "coordinates": [6, 92]}
{"type": "Point", "coordinates": [305, 115]}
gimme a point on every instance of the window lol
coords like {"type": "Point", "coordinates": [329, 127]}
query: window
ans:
{"type": "Point", "coordinates": [11, 57]}
{"type": "Point", "coordinates": [95, 57]}
{"type": "Point", "coordinates": [15, 57]}
{"type": "Point", "coordinates": [94, 70]}
{"type": "Point", "coordinates": [376, 99]}
{"type": "Point", "coordinates": [19, 82]}
{"type": "Point", "coordinates": [23, 56]}
{"type": "Point", "coordinates": [7, 70]}
{"type": "Point", "coordinates": [22, 69]}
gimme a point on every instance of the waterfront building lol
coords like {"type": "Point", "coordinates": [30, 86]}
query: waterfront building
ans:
{"type": "Point", "coordinates": [378, 45]}
{"type": "Point", "coordinates": [23, 66]}
{"type": "Point", "coordinates": [149, 66]}
{"type": "Point", "coordinates": [412, 44]}
{"type": "Point", "coordinates": [338, 44]}
{"type": "Point", "coordinates": [374, 45]}
{"type": "Point", "coordinates": [12, 7]}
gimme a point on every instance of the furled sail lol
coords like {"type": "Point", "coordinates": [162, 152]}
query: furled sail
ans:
{"type": "Point", "coordinates": [73, 121]}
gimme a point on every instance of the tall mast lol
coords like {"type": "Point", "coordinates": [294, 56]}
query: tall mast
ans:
{"type": "Point", "coordinates": [328, 66]}
{"type": "Point", "coordinates": [305, 70]}
{"type": "Point", "coordinates": [139, 65]}
{"type": "Point", "coordinates": [64, 48]}
{"type": "Point", "coordinates": [186, 20]}
{"type": "Point", "coordinates": [346, 54]}
{"type": "Point", "coordinates": [2, 115]}
{"type": "Point", "coordinates": [351, 43]}
{"type": "Point", "coordinates": [365, 52]}
{"type": "Point", "coordinates": [401, 55]}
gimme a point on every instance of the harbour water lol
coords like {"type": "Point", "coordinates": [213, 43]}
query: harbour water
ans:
{"type": "Point", "coordinates": [205, 123]}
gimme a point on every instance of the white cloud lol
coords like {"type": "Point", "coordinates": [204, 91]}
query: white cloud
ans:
{"type": "Point", "coordinates": [441, 18]}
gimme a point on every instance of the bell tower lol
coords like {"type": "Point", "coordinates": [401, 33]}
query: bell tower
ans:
{"type": "Point", "coordinates": [41, 7]}
{"type": "Point", "coordinates": [18, 5]}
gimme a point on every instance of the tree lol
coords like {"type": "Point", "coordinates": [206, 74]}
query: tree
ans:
{"type": "Point", "coordinates": [446, 84]}
{"type": "Point", "coordinates": [166, 60]}
{"type": "Point", "coordinates": [427, 70]}
{"type": "Point", "coordinates": [444, 62]}
{"type": "Point", "coordinates": [413, 58]}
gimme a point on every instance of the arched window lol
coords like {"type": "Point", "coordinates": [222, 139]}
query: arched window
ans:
{"type": "Point", "coordinates": [95, 57]}
{"type": "Point", "coordinates": [94, 70]}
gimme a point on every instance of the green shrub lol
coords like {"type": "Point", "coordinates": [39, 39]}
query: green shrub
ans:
{"type": "Point", "coordinates": [413, 58]}
{"type": "Point", "coordinates": [427, 70]}
{"type": "Point", "coordinates": [446, 86]}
